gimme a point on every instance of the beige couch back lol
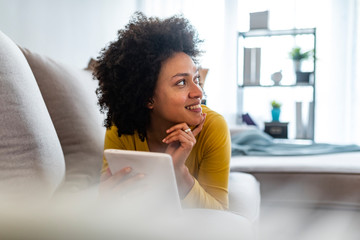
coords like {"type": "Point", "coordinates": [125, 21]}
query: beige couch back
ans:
{"type": "Point", "coordinates": [31, 158]}
{"type": "Point", "coordinates": [51, 128]}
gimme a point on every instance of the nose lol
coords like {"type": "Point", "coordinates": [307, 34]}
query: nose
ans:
{"type": "Point", "coordinates": [195, 91]}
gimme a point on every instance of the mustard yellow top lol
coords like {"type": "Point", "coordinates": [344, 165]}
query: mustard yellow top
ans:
{"type": "Point", "coordinates": [208, 162]}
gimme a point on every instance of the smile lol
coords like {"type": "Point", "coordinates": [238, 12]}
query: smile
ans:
{"type": "Point", "coordinates": [193, 107]}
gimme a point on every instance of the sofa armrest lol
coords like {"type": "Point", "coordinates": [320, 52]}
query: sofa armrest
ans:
{"type": "Point", "coordinates": [244, 195]}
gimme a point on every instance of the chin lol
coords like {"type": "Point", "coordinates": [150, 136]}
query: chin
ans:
{"type": "Point", "coordinates": [194, 122]}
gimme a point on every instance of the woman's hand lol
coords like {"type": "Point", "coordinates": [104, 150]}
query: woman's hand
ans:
{"type": "Point", "coordinates": [116, 186]}
{"type": "Point", "coordinates": [181, 140]}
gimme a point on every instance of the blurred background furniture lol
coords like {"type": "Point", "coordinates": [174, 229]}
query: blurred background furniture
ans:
{"type": "Point", "coordinates": [289, 56]}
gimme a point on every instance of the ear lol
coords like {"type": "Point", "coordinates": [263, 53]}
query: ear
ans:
{"type": "Point", "coordinates": [150, 104]}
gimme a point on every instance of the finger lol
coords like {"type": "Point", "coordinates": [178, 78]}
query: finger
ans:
{"type": "Point", "coordinates": [176, 133]}
{"type": "Point", "coordinates": [122, 172]}
{"type": "Point", "coordinates": [199, 127]}
{"type": "Point", "coordinates": [119, 176]}
{"type": "Point", "coordinates": [180, 139]}
{"type": "Point", "coordinates": [184, 141]}
{"type": "Point", "coordinates": [180, 126]}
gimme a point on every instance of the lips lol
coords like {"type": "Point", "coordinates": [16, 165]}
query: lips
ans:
{"type": "Point", "coordinates": [193, 107]}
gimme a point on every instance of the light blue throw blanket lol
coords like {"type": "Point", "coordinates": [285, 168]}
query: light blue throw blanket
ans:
{"type": "Point", "coordinates": [254, 142]}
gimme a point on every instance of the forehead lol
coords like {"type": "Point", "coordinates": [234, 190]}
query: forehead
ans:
{"type": "Point", "coordinates": [178, 63]}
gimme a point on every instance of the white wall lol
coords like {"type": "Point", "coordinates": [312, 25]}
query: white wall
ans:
{"type": "Point", "coordinates": [67, 30]}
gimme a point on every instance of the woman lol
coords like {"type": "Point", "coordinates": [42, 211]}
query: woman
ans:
{"type": "Point", "coordinates": [149, 89]}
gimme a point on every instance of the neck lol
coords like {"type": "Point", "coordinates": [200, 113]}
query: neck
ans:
{"type": "Point", "coordinates": [155, 133]}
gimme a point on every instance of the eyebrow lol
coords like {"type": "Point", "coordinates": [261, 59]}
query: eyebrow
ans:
{"type": "Point", "coordinates": [184, 74]}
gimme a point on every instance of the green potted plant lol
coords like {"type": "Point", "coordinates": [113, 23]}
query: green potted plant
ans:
{"type": "Point", "coordinates": [297, 55]}
{"type": "Point", "coordinates": [275, 111]}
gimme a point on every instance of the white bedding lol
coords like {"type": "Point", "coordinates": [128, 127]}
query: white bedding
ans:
{"type": "Point", "coordinates": [346, 163]}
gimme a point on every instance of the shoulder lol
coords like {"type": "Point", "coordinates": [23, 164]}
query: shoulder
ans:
{"type": "Point", "coordinates": [215, 129]}
{"type": "Point", "coordinates": [112, 139]}
{"type": "Point", "coordinates": [214, 120]}
{"type": "Point", "coordinates": [213, 142]}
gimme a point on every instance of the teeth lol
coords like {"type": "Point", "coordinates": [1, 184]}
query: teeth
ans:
{"type": "Point", "coordinates": [193, 107]}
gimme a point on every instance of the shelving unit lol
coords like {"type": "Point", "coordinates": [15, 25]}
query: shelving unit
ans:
{"type": "Point", "coordinates": [262, 53]}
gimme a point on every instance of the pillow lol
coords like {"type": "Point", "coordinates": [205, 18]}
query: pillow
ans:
{"type": "Point", "coordinates": [69, 94]}
{"type": "Point", "coordinates": [31, 159]}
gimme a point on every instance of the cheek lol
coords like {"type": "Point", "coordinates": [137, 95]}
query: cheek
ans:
{"type": "Point", "coordinates": [179, 98]}
{"type": "Point", "coordinates": [171, 98]}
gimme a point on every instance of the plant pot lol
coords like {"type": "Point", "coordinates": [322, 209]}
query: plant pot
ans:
{"type": "Point", "coordinates": [275, 114]}
{"type": "Point", "coordinates": [297, 65]}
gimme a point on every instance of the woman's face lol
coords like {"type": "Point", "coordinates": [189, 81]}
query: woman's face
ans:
{"type": "Point", "coordinates": [177, 94]}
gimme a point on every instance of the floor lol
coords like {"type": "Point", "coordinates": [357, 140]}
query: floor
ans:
{"type": "Point", "coordinates": [285, 222]}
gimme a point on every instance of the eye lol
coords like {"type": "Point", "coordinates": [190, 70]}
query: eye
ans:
{"type": "Point", "coordinates": [181, 82]}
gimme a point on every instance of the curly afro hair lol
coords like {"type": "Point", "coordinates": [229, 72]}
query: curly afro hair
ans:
{"type": "Point", "coordinates": [128, 68]}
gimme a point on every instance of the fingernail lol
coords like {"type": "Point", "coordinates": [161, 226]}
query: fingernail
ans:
{"type": "Point", "coordinates": [164, 140]}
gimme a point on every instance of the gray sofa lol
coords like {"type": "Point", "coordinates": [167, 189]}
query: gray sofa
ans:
{"type": "Point", "coordinates": [51, 134]}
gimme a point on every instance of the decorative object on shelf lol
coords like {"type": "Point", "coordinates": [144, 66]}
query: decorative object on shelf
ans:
{"type": "Point", "coordinates": [304, 120]}
{"type": "Point", "coordinates": [248, 120]}
{"type": "Point", "coordinates": [275, 111]}
{"type": "Point", "coordinates": [303, 77]}
{"type": "Point", "coordinates": [300, 133]}
{"type": "Point", "coordinates": [259, 20]}
{"type": "Point", "coordinates": [297, 55]}
{"type": "Point", "coordinates": [252, 58]}
{"type": "Point", "coordinates": [277, 129]}
{"type": "Point", "coordinates": [276, 77]}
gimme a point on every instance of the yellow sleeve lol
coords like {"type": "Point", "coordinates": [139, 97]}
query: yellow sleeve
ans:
{"type": "Point", "coordinates": [211, 185]}
{"type": "Point", "coordinates": [198, 197]}
{"type": "Point", "coordinates": [111, 142]}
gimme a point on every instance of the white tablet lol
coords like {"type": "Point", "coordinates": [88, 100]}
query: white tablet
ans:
{"type": "Point", "coordinates": [158, 169]}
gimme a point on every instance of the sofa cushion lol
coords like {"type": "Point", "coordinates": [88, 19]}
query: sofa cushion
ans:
{"type": "Point", "coordinates": [31, 158]}
{"type": "Point", "coordinates": [69, 95]}
{"type": "Point", "coordinates": [244, 195]}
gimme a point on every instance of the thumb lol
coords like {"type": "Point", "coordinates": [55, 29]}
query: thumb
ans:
{"type": "Point", "coordinates": [199, 127]}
